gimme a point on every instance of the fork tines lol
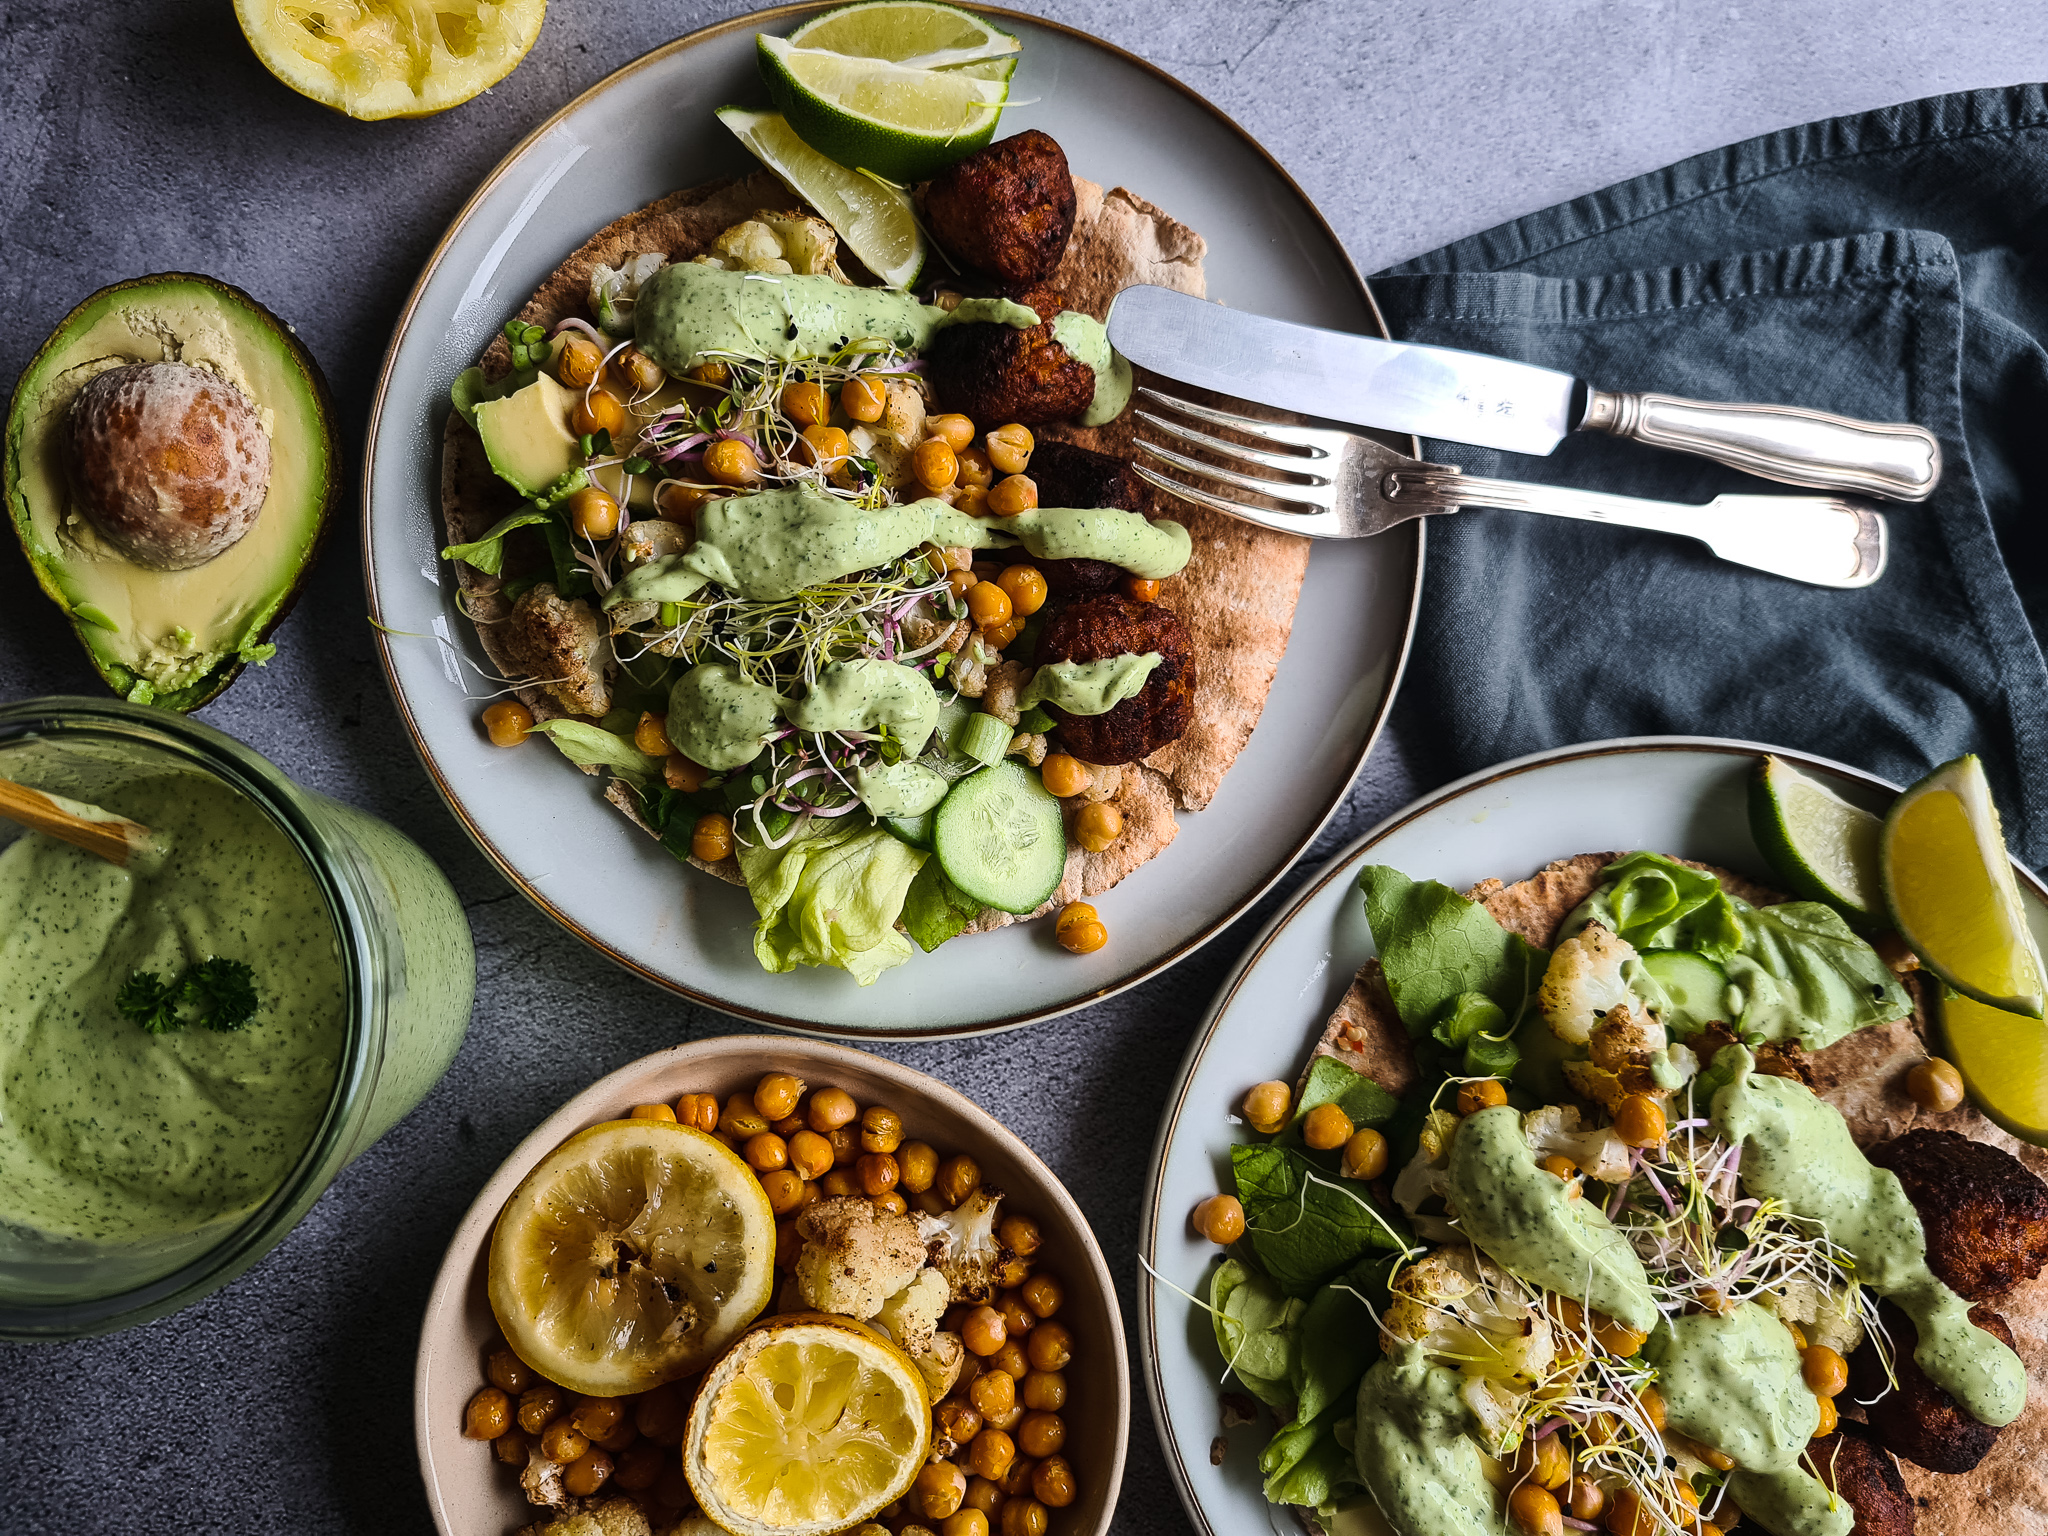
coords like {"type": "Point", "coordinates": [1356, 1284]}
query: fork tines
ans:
{"type": "Point", "coordinates": [1296, 491]}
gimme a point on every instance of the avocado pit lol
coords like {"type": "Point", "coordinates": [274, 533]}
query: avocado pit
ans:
{"type": "Point", "coordinates": [171, 462]}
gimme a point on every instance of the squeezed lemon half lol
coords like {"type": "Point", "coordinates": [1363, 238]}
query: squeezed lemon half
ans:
{"type": "Point", "coordinates": [808, 1425]}
{"type": "Point", "coordinates": [635, 1253]}
{"type": "Point", "coordinates": [1949, 883]}
{"type": "Point", "coordinates": [390, 58]}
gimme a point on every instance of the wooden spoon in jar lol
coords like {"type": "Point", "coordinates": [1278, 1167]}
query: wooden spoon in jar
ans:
{"type": "Point", "coordinates": [114, 838]}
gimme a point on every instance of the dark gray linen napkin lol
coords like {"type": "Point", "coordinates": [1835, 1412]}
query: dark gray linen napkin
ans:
{"type": "Point", "coordinates": [1892, 266]}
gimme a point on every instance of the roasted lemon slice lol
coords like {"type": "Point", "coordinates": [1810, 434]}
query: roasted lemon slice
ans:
{"type": "Point", "coordinates": [810, 1424]}
{"type": "Point", "coordinates": [632, 1255]}
{"type": "Point", "coordinates": [390, 58]}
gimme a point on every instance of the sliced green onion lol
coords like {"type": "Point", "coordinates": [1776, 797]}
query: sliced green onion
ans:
{"type": "Point", "coordinates": [984, 738]}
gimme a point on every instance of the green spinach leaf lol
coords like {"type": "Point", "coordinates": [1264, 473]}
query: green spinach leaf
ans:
{"type": "Point", "coordinates": [1255, 1328]}
{"type": "Point", "coordinates": [1305, 1225]}
{"type": "Point", "coordinates": [1330, 1081]}
{"type": "Point", "coordinates": [1339, 1337]}
{"type": "Point", "coordinates": [1435, 945]}
{"type": "Point", "coordinates": [934, 910]}
{"type": "Point", "coordinates": [1657, 903]}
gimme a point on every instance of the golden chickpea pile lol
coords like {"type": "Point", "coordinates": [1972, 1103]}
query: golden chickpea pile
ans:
{"type": "Point", "coordinates": [999, 1462]}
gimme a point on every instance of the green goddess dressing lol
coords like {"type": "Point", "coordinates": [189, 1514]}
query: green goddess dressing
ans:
{"type": "Point", "coordinates": [1527, 1222]}
{"type": "Point", "coordinates": [867, 694]}
{"type": "Point", "coordinates": [1413, 1451]}
{"type": "Point", "coordinates": [1797, 1149]}
{"type": "Point", "coordinates": [1089, 687]}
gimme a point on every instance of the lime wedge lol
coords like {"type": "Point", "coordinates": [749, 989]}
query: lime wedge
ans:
{"type": "Point", "coordinates": [1819, 845]}
{"type": "Point", "coordinates": [1950, 887]}
{"type": "Point", "coordinates": [915, 33]}
{"type": "Point", "coordinates": [902, 123]}
{"type": "Point", "coordinates": [2004, 1062]}
{"type": "Point", "coordinates": [872, 217]}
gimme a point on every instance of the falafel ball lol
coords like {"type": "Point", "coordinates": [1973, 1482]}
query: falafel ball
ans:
{"type": "Point", "coordinates": [994, 373]}
{"type": "Point", "coordinates": [1097, 628]}
{"type": "Point", "coordinates": [1985, 1211]}
{"type": "Point", "coordinates": [1071, 476]}
{"type": "Point", "coordinates": [1854, 1465]}
{"type": "Point", "coordinates": [1917, 1420]}
{"type": "Point", "coordinates": [1007, 210]}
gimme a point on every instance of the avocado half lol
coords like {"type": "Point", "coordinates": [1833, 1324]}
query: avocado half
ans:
{"type": "Point", "coordinates": [173, 638]}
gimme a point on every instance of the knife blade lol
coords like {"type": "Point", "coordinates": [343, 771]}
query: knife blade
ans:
{"type": "Point", "coordinates": [1496, 402]}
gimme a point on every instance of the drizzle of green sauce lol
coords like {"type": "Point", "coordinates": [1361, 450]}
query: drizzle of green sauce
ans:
{"type": "Point", "coordinates": [867, 694]}
{"type": "Point", "coordinates": [1153, 550]}
{"type": "Point", "coordinates": [718, 718]}
{"type": "Point", "coordinates": [1797, 1149]}
{"type": "Point", "coordinates": [1414, 1453]}
{"type": "Point", "coordinates": [1089, 687]}
{"type": "Point", "coordinates": [1790, 1503]}
{"type": "Point", "coordinates": [1527, 1222]}
{"type": "Point", "coordinates": [1086, 339]}
{"type": "Point", "coordinates": [1733, 1382]}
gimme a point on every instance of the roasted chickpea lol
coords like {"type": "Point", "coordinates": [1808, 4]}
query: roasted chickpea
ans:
{"type": "Point", "coordinates": [971, 500]}
{"type": "Point", "coordinates": [562, 1441]}
{"type": "Point", "coordinates": [1002, 635]}
{"type": "Point", "coordinates": [622, 1435]}
{"type": "Point", "coordinates": [845, 1142]}
{"type": "Point", "coordinates": [507, 722]}
{"type": "Point", "coordinates": [957, 1419]}
{"type": "Point", "coordinates": [598, 410]}
{"type": "Point", "coordinates": [1050, 1347]}
{"type": "Point", "coordinates": [1487, 1093]}
{"type": "Point", "coordinates": [714, 373]}
{"type": "Point", "coordinates": [595, 1417]}
{"type": "Point", "coordinates": [1559, 1165]}
{"type": "Point", "coordinates": [1653, 1407]}
{"type": "Point", "coordinates": [1063, 776]}
{"type": "Point", "coordinates": [699, 1110]}
{"type": "Point", "coordinates": [1585, 1498]}
{"type": "Point", "coordinates": [1935, 1085]}
{"type": "Point", "coordinates": [805, 403]}
{"type": "Point", "coordinates": [1024, 1517]}
{"type": "Point", "coordinates": [969, 1521]}
{"type": "Point", "coordinates": [577, 360]}
{"type": "Point", "coordinates": [1043, 1295]}
{"type": "Point", "coordinates": [639, 1468]}
{"type": "Point", "coordinates": [1140, 589]}
{"type": "Point", "coordinates": [650, 735]}
{"type": "Point", "coordinates": [983, 1331]}
{"type": "Point", "coordinates": [830, 1109]}
{"type": "Point", "coordinates": [1012, 1361]}
{"type": "Point", "coordinates": [1830, 1417]}
{"type": "Point", "coordinates": [731, 462]}
{"type": "Point", "coordinates": [1012, 494]}
{"type": "Point", "coordinates": [587, 1473]}
{"type": "Point", "coordinates": [1639, 1121]}
{"type": "Point", "coordinates": [1534, 1511]}
{"type": "Point", "coordinates": [593, 514]}
{"type": "Point", "coordinates": [959, 1177]}
{"type": "Point", "coordinates": [1326, 1127]}
{"type": "Point", "coordinates": [1617, 1338]}
{"type": "Point", "coordinates": [538, 1405]}
{"type": "Point", "coordinates": [511, 1448]}
{"type": "Point", "coordinates": [939, 1488]}
{"type": "Point", "coordinates": [810, 1154]}
{"type": "Point", "coordinates": [1365, 1154]}
{"type": "Point", "coordinates": [991, 1453]}
{"type": "Point", "coordinates": [892, 1202]}
{"type": "Point", "coordinates": [1097, 825]}
{"type": "Point", "coordinates": [830, 449]}
{"type": "Point", "coordinates": [1020, 1235]}
{"type": "Point", "coordinates": [989, 605]}
{"type": "Point", "coordinates": [1045, 1391]}
{"type": "Point", "coordinates": [840, 1185]}
{"type": "Point", "coordinates": [960, 583]}
{"type": "Point", "coordinates": [1053, 1482]}
{"type": "Point", "coordinates": [993, 1393]}
{"type": "Point", "coordinates": [1798, 1333]}
{"type": "Point", "coordinates": [711, 838]}
{"type": "Point", "coordinates": [1266, 1107]}
{"type": "Point", "coordinates": [651, 1112]}
{"type": "Point", "coordinates": [1627, 1515]}
{"type": "Point", "coordinates": [1016, 1483]}
{"type": "Point", "coordinates": [1009, 448]}
{"type": "Point", "coordinates": [488, 1415]}
{"type": "Point", "coordinates": [918, 1165]}
{"type": "Point", "coordinates": [678, 772]}
{"type": "Point", "coordinates": [776, 1095]}
{"type": "Point", "coordinates": [881, 1129]}
{"type": "Point", "coordinates": [1018, 1319]}
{"type": "Point", "coordinates": [975, 468]}
{"type": "Point", "coordinates": [740, 1118]}
{"type": "Point", "coordinates": [1026, 586]}
{"type": "Point", "coordinates": [1079, 929]}
{"type": "Point", "coordinates": [934, 464]}
{"type": "Point", "coordinates": [766, 1152]}
{"type": "Point", "coordinates": [1041, 1434]}
{"type": "Point", "coordinates": [1220, 1219]}
{"type": "Point", "coordinates": [641, 374]}
{"type": "Point", "coordinates": [955, 431]}
{"type": "Point", "coordinates": [508, 1373]}
{"type": "Point", "coordinates": [784, 1188]}
{"type": "Point", "coordinates": [877, 1173]}
{"type": "Point", "coordinates": [864, 399]}
{"type": "Point", "coordinates": [1825, 1372]}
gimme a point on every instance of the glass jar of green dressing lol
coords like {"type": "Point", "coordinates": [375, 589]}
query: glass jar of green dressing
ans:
{"type": "Point", "coordinates": [146, 1157]}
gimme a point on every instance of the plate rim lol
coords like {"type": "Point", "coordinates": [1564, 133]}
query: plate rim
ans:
{"type": "Point", "coordinates": [1337, 866]}
{"type": "Point", "coordinates": [401, 329]}
{"type": "Point", "coordinates": [576, 1110]}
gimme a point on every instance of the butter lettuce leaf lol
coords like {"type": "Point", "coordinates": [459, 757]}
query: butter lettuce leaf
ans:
{"type": "Point", "coordinates": [1435, 945]}
{"type": "Point", "coordinates": [1340, 1337]}
{"type": "Point", "coordinates": [831, 896]}
{"type": "Point", "coordinates": [1804, 975]}
{"type": "Point", "coordinates": [592, 746]}
{"type": "Point", "coordinates": [1306, 1225]}
{"type": "Point", "coordinates": [1657, 903]}
{"type": "Point", "coordinates": [1255, 1325]}
{"type": "Point", "coordinates": [487, 554]}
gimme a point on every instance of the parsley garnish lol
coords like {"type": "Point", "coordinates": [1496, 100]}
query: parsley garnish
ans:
{"type": "Point", "coordinates": [221, 993]}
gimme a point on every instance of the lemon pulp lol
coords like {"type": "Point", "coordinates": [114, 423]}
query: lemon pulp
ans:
{"type": "Point", "coordinates": [390, 58]}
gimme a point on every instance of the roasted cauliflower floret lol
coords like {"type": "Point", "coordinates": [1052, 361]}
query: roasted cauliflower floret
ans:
{"type": "Point", "coordinates": [912, 1314]}
{"type": "Point", "coordinates": [613, 290]}
{"type": "Point", "coordinates": [559, 644]}
{"type": "Point", "coordinates": [963, 1244]}
{"type": "Point", "coordinates": [614, 1517]}
{"type": "Point", "coordinates": [777, 243]}
{"type": "Point", "coordinates": [1428, 1171]}
{"type": "Point", "coordinates": [1600, 1154]}
{"type": "Point", "coordinates": [1584, 982]}
{"type": "Point", "coordinates": [855, 1258]}
{"type": "Point", "coordinates": [940, 1365]}
{"type": "Point", "coordinates": [1471, 1314]}
{"type": "Point", "coordinates": [1621, 1049]}
{"type": "Point", "coordinates": [1825, 1317]}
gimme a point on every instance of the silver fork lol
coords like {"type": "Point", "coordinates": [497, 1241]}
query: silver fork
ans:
{"type": "Point", "coordinates": [1331, 484]}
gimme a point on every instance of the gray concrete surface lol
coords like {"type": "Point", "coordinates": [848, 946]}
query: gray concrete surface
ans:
{"type": "Point", "coordinates": [139, 137]}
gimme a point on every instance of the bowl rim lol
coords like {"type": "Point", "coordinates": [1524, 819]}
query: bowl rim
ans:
{"type": "Point", "coordinates": [602, 1100]}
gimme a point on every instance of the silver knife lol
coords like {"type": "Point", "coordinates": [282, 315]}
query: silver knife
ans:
{"type": "Point", "coordinates": [1495, 402]}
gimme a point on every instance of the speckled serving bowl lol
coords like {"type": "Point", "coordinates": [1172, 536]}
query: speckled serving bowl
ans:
{"type": "Point", "coordinates": [471, 1494]}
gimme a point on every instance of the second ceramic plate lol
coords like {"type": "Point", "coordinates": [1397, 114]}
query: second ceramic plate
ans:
{"type": "Point", "coordinates": [644, 132]}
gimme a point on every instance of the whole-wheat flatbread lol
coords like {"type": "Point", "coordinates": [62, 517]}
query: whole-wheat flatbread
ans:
{"type": "Point", "coordinates": [1864, 1076]}
{"type": "Point", "coordinates": [1236, 598]}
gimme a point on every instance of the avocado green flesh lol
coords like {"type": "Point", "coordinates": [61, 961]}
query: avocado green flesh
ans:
{"type": "Point", "coordinates": [174, 638]}
{"type": "Point", "coordinates": [526, 435]}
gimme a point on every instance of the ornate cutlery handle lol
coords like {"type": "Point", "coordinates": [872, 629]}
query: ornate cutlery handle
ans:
{"type": "Point", "coordinates": [1828, 541]}
{"type": "Point", "coordinates": [1779, 442]}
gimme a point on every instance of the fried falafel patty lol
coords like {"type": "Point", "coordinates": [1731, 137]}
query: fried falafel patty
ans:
{"type": "Point", "coordinates": [994, 373]}
{"type": "Point", "coordinates": [1852, 1464]}
{"type": "Point", "coordinates": [1007, 210]}
{"type": "Point", "coordinates": [1068, 475]}
{"type": "Point", "coordinates": [1916, 1419]}
{"type": "Point", "coordinates": [1986, 1213]}
{"type": "Point", "coordinates": [1097, 628]}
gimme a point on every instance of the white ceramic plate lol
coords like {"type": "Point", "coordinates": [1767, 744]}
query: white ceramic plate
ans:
{"type": "Point", "coordinates": [644, 132]}
{"type": "Point", "coordinates": [470, 1494]}
{"type": "Point", "coordinates": [1675, 794]}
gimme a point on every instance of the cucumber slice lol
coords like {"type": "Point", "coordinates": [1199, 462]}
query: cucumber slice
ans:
{"type": "Point", "coordinates": [914, 830]}
{"type": "Point", "coordinates": [1000, 839]}
{"type": "Point", "coordinates": [1695, 989]}
{"type": "Point", "coordinates": [985, 738]}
